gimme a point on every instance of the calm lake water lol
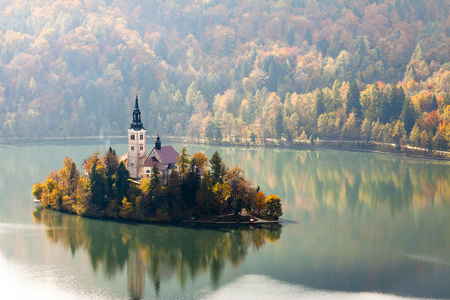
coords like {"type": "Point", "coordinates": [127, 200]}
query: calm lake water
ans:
{"type": "Point", "coordinates": [355, 225]}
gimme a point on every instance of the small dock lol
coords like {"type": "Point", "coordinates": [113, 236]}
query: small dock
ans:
{"type": "Point", "coordinates": [253, 221]}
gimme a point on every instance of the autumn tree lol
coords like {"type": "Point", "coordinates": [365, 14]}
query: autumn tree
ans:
{"type": "Point", "coordinates": [201, 159]}
{"type": "Point", "coordinates": [399, 133]}
{"type": "Point", "coordinates": [273, 207]}
{"type": "Point", "coordinates": [69, 180]}
{"type": "Point", "coordinates": [241, 192]}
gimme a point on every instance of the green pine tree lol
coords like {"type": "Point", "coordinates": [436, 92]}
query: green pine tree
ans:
{"type": "Point", "coordinates": [353, 100]}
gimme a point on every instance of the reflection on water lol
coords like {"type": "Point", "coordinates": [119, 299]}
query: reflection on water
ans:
{"type": "Point", "coordinates": [157, 251]}
{"type": "Point", "coordinates": [341, 179]}
{"type": "Point", "coordinates": [362, 222]}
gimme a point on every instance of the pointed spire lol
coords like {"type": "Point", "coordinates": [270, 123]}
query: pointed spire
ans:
{"type": "Point", "coordinates": [137, 124]}
{"type": "Point", "coordinates": [158, 142]}
{"type": "Point", "coordinates": [136, 104]}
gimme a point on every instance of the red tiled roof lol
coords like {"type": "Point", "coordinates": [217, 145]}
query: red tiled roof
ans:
{"type": "Point", "coordinates": [168, 154]}
{"type": "Point", "coordinates": [152, 161]}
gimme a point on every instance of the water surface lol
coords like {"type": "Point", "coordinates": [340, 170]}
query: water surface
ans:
{"type": "Point", "coordinates": [354, 225]}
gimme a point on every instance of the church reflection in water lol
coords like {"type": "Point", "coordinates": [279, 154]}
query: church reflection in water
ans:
{"type": "Point", "coordinates": [157, 251]}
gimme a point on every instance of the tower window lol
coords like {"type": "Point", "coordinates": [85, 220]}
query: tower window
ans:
{"type": "Point", "coordinates": [142, 148]}
{"type": "Point", "coordinates": [132, 137]}
{"type": "Point", "coordinates": [141, 137]}
{"type": "Point", "coordinates": [132, 148]}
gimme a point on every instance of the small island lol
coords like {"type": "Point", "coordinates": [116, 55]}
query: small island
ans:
{"type": "Point", "coordinates": [164, 186]}
{"type": "Point", "coordinates": [202, 190]}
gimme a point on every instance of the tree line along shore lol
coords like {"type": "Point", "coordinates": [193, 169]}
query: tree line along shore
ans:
{"type": "Point", "coordinates": [200, 188]}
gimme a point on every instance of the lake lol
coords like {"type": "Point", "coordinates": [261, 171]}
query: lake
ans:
{"type": "Point", "coordinates": [354, 225]}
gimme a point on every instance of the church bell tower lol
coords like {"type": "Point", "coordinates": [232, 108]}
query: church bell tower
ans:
{"type": "Point", "coordinates": [136, 144]}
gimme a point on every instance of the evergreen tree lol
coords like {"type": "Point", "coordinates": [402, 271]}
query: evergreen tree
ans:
{"type": "Point", "coordinates": [362, 51]}
{"type": "Point", "coordinates": [385, 109]}
{"type": "Point", "coordinates": [160, 48]}
{"type": "Point", "coordinates": [320, 106]}
{"type": "Point", "coordinates": [261, 39]}
{"type": "Point", "coordinates": [279, 122]}
{"type": "Point", "coordinates": [111, 162]}
{"type": "Point", "coordinates": [336, 102]}
{"type": "Point", "coordinates": [205, 194]}
{"type": "Point", "coordinates": [122, 183]}
{"type": "Point", "coordinates": [434, 104]}
{"type": "Point", "coordinates": [411, 72]}
{"type": "Point", "coordinates": [290, 35]}
{"type": "Point", "coordinates": [217, 168]}
{"type": "Point", "coordinates": [74, 176]}
{"type": "Point", "coordinates": [273, 78]}
{"type": "Point", "coordinates": [191, 183]}
{"type": "Point", "coordinates": [446, 101]}
{"type": "Point", "coordinates": [183, 161]}
{"type": "Point", "coordinates": [98, 185]}
{"type": "Point", "coordinates": [308, 36]}
{"type": "Point", "coordinates": [155, 181]}
{"type": "Point", "coordinates": [353, 100]}
{"type": "Point", "coordinates": [209, 130]}
{"type": "Point", "coordinates": [396, 99]}
{"type": "Point", "coordinates": [253, 137]}
{"type": "Point", "coordinates": [408, 115]}
{"type": "Point", "coordinates": [218, 133]}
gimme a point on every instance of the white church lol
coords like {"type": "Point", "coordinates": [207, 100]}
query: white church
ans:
{"type": "Point", "coordinates": [138, 164]}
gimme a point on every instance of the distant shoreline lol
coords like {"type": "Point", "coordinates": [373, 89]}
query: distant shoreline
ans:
{"type": "Point", "coordinates": [355, 146]}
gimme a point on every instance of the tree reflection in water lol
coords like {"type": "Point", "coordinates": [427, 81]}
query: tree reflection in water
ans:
{"type": "Point", "coordinates": [160, 251]}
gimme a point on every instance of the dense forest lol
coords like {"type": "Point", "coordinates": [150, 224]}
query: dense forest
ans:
{"type": "Point", "coordinates": [370, 70]}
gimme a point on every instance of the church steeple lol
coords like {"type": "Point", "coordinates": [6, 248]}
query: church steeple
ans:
{"type": "Point", "coordinates": [158, 142]}
{"type": "Point", "coordinates": [136, 124]}
{"type": "Point", "coordinates": [136, 144]}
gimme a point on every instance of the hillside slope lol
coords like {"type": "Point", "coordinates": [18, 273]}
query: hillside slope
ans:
{"type": "Point", "coordinates": [219, 68]}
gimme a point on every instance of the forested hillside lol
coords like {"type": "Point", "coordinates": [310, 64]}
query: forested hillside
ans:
{"type": "Point", "coordinates": [336, 69]}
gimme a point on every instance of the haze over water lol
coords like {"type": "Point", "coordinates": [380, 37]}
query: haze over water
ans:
{"type": "Point", "coordinates": [354, 225]}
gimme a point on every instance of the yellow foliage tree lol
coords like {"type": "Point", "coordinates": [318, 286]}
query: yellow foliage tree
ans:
{"type": "Point", "coordinates": [201, 159]}
{"type": "Point", "coordinates": [126, 209]}
{"type": "Point", "coordinates": [273, 207]}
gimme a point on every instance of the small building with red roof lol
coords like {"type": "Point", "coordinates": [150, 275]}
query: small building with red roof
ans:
{"type": "Point", "coordinates": [165, 159]}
